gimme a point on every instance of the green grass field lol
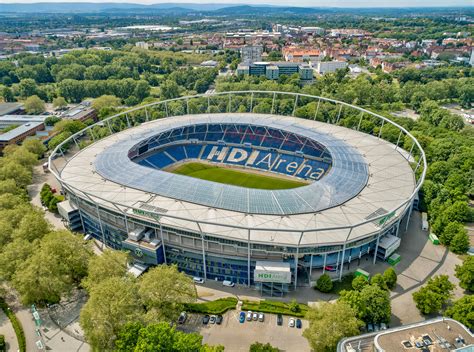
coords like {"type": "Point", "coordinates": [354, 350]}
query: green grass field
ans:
{"type": "Point", "coordinates": [234, 177]}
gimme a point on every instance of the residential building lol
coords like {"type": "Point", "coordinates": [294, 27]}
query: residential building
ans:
{"type": "Point", "coordinates": [295, 54]}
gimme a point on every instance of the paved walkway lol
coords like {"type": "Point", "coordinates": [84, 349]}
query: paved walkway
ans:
{"type": "Point", "coordinates": [6, 329]}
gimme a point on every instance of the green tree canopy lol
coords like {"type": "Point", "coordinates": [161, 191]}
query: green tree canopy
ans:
{"type": "Point", "coordinates": [434, 295]}
{"type": "Point", "coordinates": [112, 304]}
{"type": "Point", "coordinates": [462, 310]}
{"type": "Point", "coordinates": [54, 268]}
{"type": "Point", "coordinates": [328, 323]}
{"type": "Point", "coordinates": [109, 264]}
{"type": "Point", "coordinates": [164, 290]}
{"type": "Point", "coordinates": [34, 105]}
{"type": "Point", "coordinates": [465, 273]}
{"type": "Point", "coordinates": [324, 283]}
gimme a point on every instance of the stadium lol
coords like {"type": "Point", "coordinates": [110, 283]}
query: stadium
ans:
{"type": "Point", "coordinates": [228, 190]}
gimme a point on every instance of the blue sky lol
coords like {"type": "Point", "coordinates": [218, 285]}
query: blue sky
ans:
{"type": "Point", "coordinates": [315, 3]}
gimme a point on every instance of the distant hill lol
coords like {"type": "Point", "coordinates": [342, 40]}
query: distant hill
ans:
{"type": "Point", "coordinates": [88, 7]}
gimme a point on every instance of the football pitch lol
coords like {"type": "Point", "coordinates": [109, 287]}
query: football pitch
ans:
{"type": "Point", "coordinates": [234, 177]}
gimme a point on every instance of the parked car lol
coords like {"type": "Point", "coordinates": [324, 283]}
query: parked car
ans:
{"type": "Point", "coordinates": [330, 268]}
{"type": "Point", "coordinates": [470, 251]}
{"type": "Point", "coordinates": [249, 315]}
{"type": "Point", "coordinates": [279, 319]}
{"type": "Point", "coordinates": [213, 319]}
{"type": "Point", "coordinates": [255, 316]}
{"type": "Point", "coordinates": [261, 317]}
{"type": "Point", "coordinates": [299, 324]}
{"type": "Point", "coordinates": [383, 326]}
{"type": "Point", "coordinates": [370, 327]}
{"type": "Point", "coordinates": [219, 319]}
{"type": "Point", "coordinates": [182, 318]}
{"type": "Point", "coordinates": [376, 327]}
{"type": "Point", "coordinates": [242, 317]}
{"type": "Point", "coordinates": [205, 319]}
{"type": "Point", "coordinates": [198, 280]}
{"type": "Point", "coordinates": [291, 322]}
{"type": "Point", "coordinates": [228, 283]}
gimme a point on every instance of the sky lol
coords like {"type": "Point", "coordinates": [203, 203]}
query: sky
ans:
{"type": "Point", "coordinates": [312, 3]}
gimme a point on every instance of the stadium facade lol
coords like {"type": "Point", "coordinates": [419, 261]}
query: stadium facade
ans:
{"type": "Point", "coordinates": [359, 188]}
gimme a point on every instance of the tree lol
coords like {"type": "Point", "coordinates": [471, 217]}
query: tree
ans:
{"type": "Point", "coordinates": [110, 264]}
{"type": "Point", "coordinates": [35, 146]}
{"type": "Point", "coordinates": [260, 347]}
{"type": "Point", "coordinates": [164, 290]}
{"type": "Point", "coordinates": [34, 105]}
{"type": "Point", "coordinates": [328, 323]}
{"type": "Point", "coordinates": [105, 102]}
{"type": "Point", "coordinates": [462, 310]}
{"type": "Point", "coordinates": [59, 103]}
{"type": "Point", "coordinates": [460, 243]}
{"type": "Point", "coordinates": [371, 304]}
{"type": "Point", "coordinates": [12, 170]}
{"type": "Point", "coordinates": [13, 255]}
{"type": "Point", "coordinates": [54, 268]}
{"type": "Point", "coordinates": [127, 337]}
{"type": "Point", "coordinates": [379, 280]}
{"type": "Point", "coordinates": [112, 304]}
{"type": "Point", "coordinates": [434, 295]}
{"type": "Point", "coordinates": [324, 283]}
{"type": "Point", "coordinates": [450, 231]}
{"type": "Point", "coordinates": [163, 337]}
{"type": "Point", "coordinates": [465, 273]}
{"type": "Point", "coordinates": [390, 277]}
{"type": "Point", "coordinates": [376, 302]}
{"type": "Point", "coordinates": [359, 283]}
{"type": "Point", "coordinates": [169, 90]}
{"type": "Point", "coordinates": [33, 226]}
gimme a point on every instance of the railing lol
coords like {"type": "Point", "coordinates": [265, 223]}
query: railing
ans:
{"type": "Point", "coordinates": [268, 102]}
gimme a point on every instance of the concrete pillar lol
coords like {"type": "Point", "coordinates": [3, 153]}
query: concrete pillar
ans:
{"type": "Point", "coordinates": [248, 258]}
{"type": "Point", "coordinates": [342, 261]}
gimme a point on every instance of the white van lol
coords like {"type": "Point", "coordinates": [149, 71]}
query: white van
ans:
{"type": "Point", "coordinates": [198, 280]}
{"type": "Point", "coordinates": [228, 283]}
{"type": "Point", "coordinates": [424, 222]}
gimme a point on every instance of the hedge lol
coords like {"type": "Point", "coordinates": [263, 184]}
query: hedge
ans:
{"type": "Point", "coordinates": [219, 306]}
{"type": "Point", "coordinates": [20, 335]}
{"type": "Point", "coordinates": [275, 307]}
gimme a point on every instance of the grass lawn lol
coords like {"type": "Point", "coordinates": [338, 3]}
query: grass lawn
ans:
{"type": "Point", "coordinates": [219, 306]}
{"type": "Point", "coordinates": [275, 307]}
{"type": "Point", "coordinates": [234, 177]}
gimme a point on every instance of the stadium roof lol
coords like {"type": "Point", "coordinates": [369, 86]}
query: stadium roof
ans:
{"type": "Point", "coordinates": [346, 178]}
{"type": "Point", "coordinates": [389, 186]}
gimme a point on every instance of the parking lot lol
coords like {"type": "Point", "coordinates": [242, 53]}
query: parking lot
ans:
{"type": "Point", "coordinates": [236, 336]}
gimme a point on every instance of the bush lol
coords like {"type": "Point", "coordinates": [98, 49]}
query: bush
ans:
{"type": "Point", "coordinates": [260, 347]}
{"type": "Point", "coordinates": [460, 243]}
{"type": "Point", "coordinates": [324, 283]}
{"type": "Point", "coordinates": [379, 280]}
{"type": "Point", "coordinates": [20, 335]}
{"type": "Point", "coordinates": [390, 277]}
{"type": "Point", "coordinates": [3, 346]}
{"type": "Point", "coordinates": [274, 307]}
{"type": "Point", "coordinates": [219, 306]}
{"type": "Point", "coordinates": [359, 283]}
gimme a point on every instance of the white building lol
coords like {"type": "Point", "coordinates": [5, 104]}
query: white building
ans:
{"type": "Point", "coordinates": [250, 54]}
{"type": "Point", "coordinates": [142, 45]}
{"type": "Point", "coordinates": [324, 67]}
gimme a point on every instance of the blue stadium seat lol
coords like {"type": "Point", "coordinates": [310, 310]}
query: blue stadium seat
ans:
{"type": "Point", "coordinates": [159, 160]}
{"type": "Point", "coordinates": [193, 150]}
{"type": "Point", "coordinates": [176, 152]}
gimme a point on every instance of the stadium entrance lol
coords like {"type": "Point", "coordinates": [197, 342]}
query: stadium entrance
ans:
{"type": "Point", "coordinates": [272, 278]}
